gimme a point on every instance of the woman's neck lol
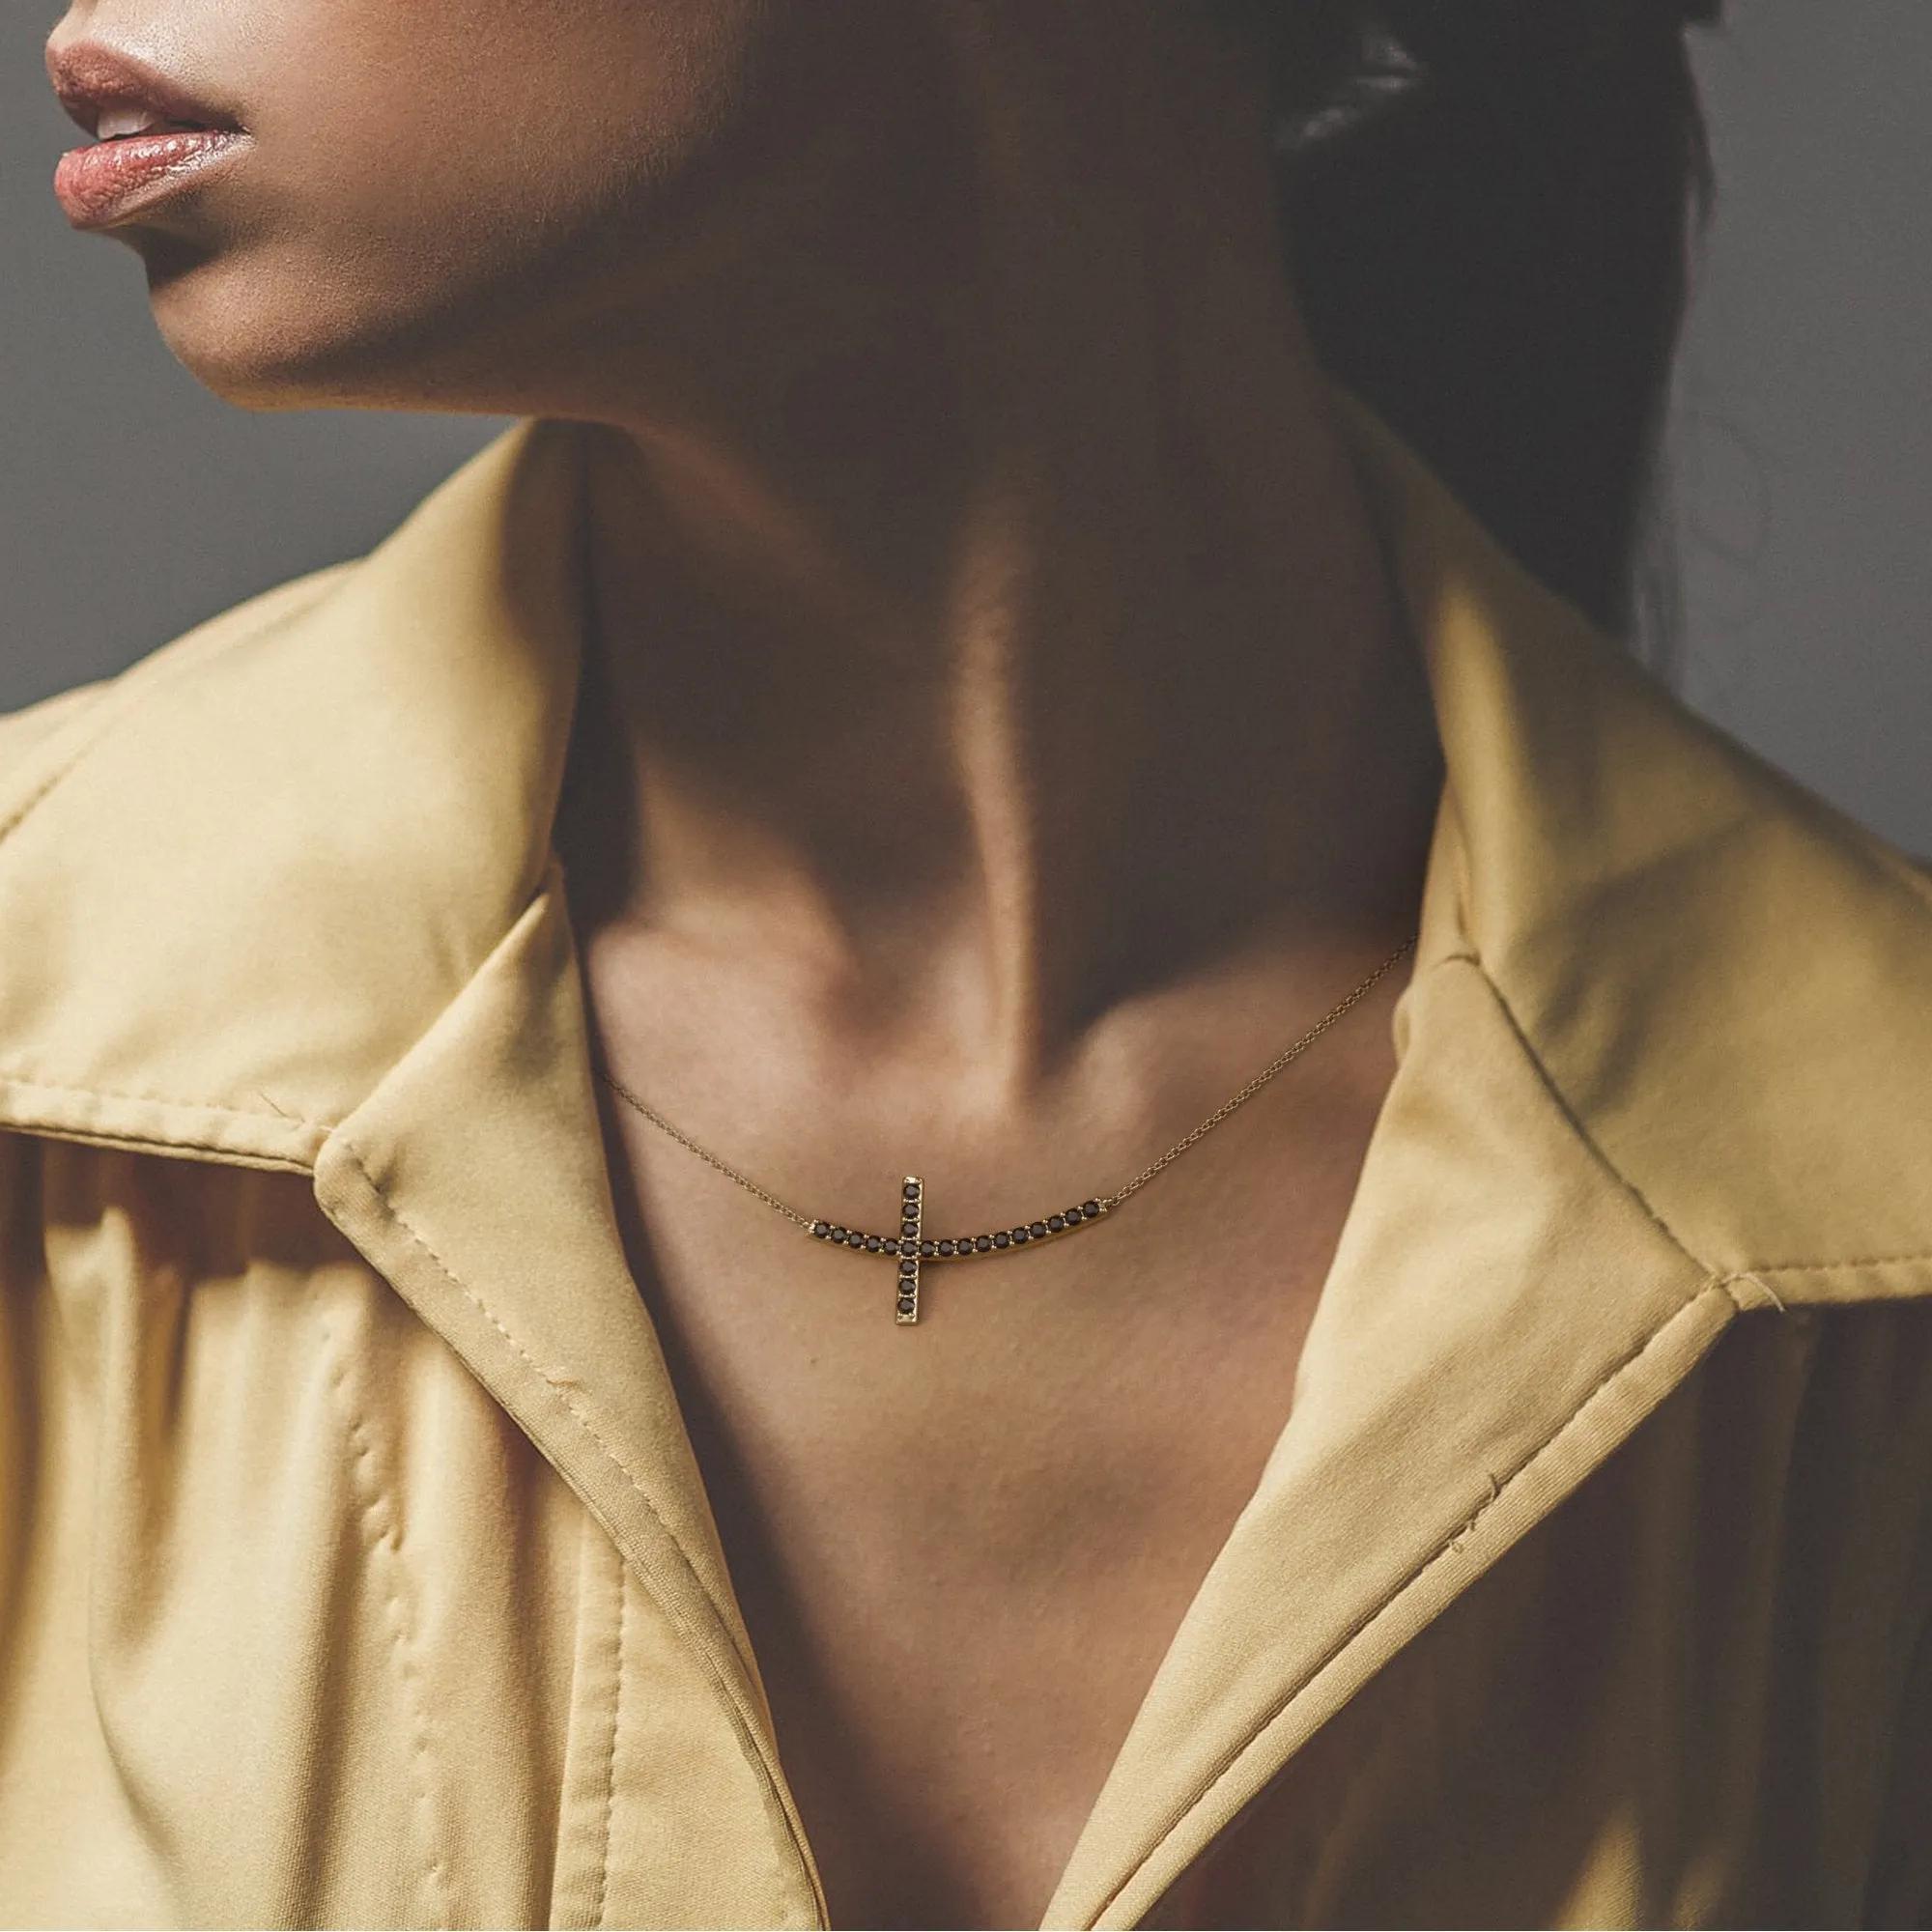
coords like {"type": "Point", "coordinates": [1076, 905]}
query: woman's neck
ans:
{"type": "Point", "coordinates": [987, 624]}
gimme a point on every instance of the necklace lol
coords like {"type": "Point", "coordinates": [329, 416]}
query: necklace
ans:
{"type": "Point", "coordinates": [911, 1248]}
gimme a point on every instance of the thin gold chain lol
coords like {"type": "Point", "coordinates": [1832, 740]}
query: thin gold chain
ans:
{"type": "Point", "coordinates": [1282, 1061]}
{"type": "Point", "coordinates": [703, 1153]}
{"type": "Point", "coordinates": [1279, 1064]}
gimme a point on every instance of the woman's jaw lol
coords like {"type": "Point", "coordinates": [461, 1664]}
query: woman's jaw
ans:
{"type": "Point", "coordinates": [947, 354]}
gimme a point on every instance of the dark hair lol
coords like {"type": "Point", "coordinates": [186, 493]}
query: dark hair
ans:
{"type": "Point", "coordinates": [1487, 205]}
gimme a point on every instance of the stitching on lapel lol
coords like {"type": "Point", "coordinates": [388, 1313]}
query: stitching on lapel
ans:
{"type": "Point", "coordinates": [1453, 1547]}
{"type": "Point", "coordinates": [379, 1525]}
{"type": "Point", "coordinates": [26, 1083]}
{"type": "Point", "coordinates": [742, 1732]}
{"type": "Point", "coordinates": [1561, 1101]}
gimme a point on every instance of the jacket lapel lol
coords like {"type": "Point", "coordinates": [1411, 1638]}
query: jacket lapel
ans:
{"type": "Point", "coordinates": [294, 884]}
{"type": "Point", "coordinates": [259, 866]}
{"type": "Point", "coordinates": [1504, 1307]}
{"type": "Point", "coordinates": [473, 1178]}
{"type": "Point", "coordinates": [1500, 1314]}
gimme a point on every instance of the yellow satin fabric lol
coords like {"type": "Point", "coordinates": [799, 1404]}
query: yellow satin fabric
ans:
{"type": "Point", "coordinates": [355, 1568]}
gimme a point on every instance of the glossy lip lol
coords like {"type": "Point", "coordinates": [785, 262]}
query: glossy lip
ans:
{"type": "Point", "coordinates": [112, 182]}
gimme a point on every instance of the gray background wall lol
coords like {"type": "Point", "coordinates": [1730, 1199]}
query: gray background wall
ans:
{"type": "Point", "coordinates": [131, 504]}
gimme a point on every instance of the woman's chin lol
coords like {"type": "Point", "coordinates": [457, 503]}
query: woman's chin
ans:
{"type": "Point", "coordinates": [265, 342]}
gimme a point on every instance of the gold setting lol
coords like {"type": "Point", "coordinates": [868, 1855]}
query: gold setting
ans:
{"type": "Point", "coordinates": [912, 1216]}
{"type": "Point", "coordinates": [911, 1248]}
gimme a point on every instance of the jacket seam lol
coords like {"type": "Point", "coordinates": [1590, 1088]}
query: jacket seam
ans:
{"type": "Point", "coordinates": [217, 1156]}
{"type": "Point", "coordinates": [382, 1546]}
{"type": "Point", "coordinates": [754, 1758]}
{"type": "Point", "coordinates": [1630, 1188]}
{"type": "Point", "coordinates": [1451, 1548]}
{"type": "Point", "coordinates": [1561, 1101]}
{"type": "Point", "coordinates": [102, 716]}
{"type": "Point", "coordinates": [123, 695]}
{"type": "Point", "coordinates": [89, 725]}
{"type": "Point", "coordinates": [1835, 1267]}
{"type": "Point", "coordinates": [51, 784]}
{"type": "Point", "coordinates": [616, 1735]}
{"type": "Point", "coordinates": [29, 1084]}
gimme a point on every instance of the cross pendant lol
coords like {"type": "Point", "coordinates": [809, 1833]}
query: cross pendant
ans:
{"type": "Point", "coordinates": [909, 1247]}
{"type": "Point", "coordinates": [912, 1200]}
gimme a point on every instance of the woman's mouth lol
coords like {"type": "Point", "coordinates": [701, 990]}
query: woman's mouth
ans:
{"type": "Point", "coordinates": [151, 140]}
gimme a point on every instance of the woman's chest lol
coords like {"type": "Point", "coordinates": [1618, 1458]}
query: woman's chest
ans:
{"type": "Point", "coordinates": [963, 1548]}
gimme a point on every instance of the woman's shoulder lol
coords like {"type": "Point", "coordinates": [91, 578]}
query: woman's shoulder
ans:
{"type": "Point", "coordinates": [240, 881]}
{"type": "Point", "coordinates": [145, 887]}
{"type": "Point", "coordinates": [40, 741]}
{"type": "Point", "coordinates": [1724, 983]}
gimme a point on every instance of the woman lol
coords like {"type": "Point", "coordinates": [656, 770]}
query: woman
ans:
{"type": "Point", "coordinates": [951, 688]}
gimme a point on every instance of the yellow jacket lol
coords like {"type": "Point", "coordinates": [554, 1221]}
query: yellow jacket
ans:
{"type": "Point", "coordinates": [354, 1565]}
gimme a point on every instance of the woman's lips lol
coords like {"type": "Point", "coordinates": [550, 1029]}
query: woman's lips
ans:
{"type": "Point", "coordinates": [109, 182]}
{"type": "Point", "coordinates": [156, 137]}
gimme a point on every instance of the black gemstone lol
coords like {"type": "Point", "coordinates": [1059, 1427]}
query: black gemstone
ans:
{"type": "Point", "coordinates": [945, 1247]}
{"type": "Point", "coordinates": [908, 1268]}
{"type": "Point", "coordinates": [1002, 1240]}
{"type": "Point", "coordinates": [1091, 1208]}
{"type": "Point", "coordinates": [1075, 1218]}
{"type": "Point", "coordinates": [929, 1247]}
{"type": "Point", "coordinates": [873, 1244]}
{"type": "Point", "coordinates": [906, 1247]}
{"type": "Point", "coordinates": [907, 1305]}
{"type": "Point", "coordinates": [985, 1244]}
{"type": "Point", "coordinates": [838, 1234]}
{"type": "Point", "coordinates": [1022, 1236]}
{"type": "Point", "coordinates": [908, 1229]}
{"type": "Point", "coordinates": [911, 1190]}
{"type": "Point", "coordinates": [1038, 1231]}
{"type": "Point", "coordinates": [820, 1229]}
{"type": "Point", "coordinates": [1056, 1224]}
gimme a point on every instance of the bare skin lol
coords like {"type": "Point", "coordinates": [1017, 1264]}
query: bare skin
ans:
{"type": "Point", "coordinates": [998, 739]}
